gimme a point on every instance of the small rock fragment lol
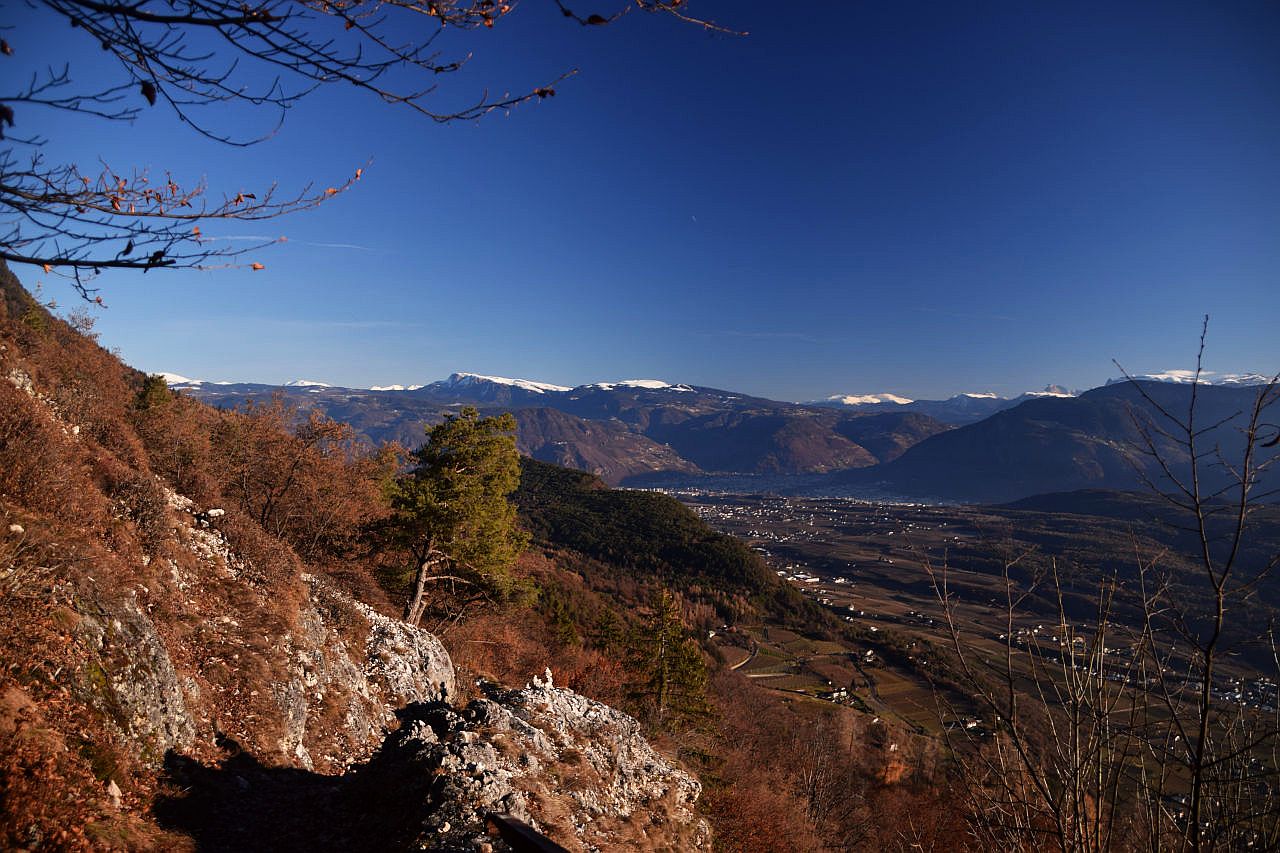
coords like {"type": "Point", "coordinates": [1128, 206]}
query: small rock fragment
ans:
{"type": "Point", "coordinates": [114, 793]}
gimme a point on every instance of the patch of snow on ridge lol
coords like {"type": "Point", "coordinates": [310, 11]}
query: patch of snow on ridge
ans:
{"type": "Point", "coordinates": [1051, 391]}
{"type": "Point", "coordinates": [868, 399]}
{"type": "Point", "coordinates": [176, 379]}
{"type": "Point", "coordinates": [1207, 377]}
{"type": "Point", "coordinates": [306, 383]}
{"type": "Point", "coordinates": [525, 384]}
{"type": "Point", "coordinates": [1176, 376]}
{"type": "Point", "coordinates": [396, 387]}
{"type": "Point", "coordinates": [647, 384]}
{"type": "Point", "coordinates": [984, 395]}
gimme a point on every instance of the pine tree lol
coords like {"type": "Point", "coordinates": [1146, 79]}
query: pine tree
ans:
{"type": "Point", "coordinates": [453, 513]}
{"type": "Point", "coordinates": [607, 634]}
{"type": "Point", "coordinates": [560, 615]}
{"type": "Point", "coordinates": [153, 394]}
{"type": "Point", "coordinates": [671, 689]}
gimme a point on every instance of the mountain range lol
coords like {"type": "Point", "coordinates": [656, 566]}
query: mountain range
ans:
{"type": "Point", "coordinates": [970, 448]}
{"type": "Point", "coordinates": [616, 430]}
{"type": "Point", "coordinates": [1098, 440]}
{"type": "Point", "coordinates": [960, 409]}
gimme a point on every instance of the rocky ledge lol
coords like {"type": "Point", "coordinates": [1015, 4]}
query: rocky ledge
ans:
{"type": "Point", "coordinates": [568, 768]}
{"type": "Point", "coordinates": [573, 768]}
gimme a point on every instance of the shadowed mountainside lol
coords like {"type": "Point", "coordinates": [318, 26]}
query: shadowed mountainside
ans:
{"type": "Point", "coordinates": [1094, 441]}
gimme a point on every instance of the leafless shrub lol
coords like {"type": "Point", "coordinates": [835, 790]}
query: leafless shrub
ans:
{"type": "Point", "coordinates": [1129, 734]}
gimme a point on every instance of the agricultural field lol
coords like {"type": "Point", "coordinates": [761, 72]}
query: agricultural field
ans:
{"type": "Point", "coordinates": [883, 570]}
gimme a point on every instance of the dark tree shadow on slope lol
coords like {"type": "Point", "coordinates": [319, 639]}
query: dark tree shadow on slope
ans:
{"type": "Point", "coordinates": [240, 804]}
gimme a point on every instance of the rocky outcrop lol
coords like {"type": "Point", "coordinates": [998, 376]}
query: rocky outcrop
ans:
{"type": "Point", "coordinates": [131, 678]}
{"type": "Point", "coordinates": [334, 683]}
{"type": "Point", "coordinates": [395, 665]}
{"type": "Point", "coordinates": [577, 770]}
{"type": "Point", "coordinates": [315, 679]}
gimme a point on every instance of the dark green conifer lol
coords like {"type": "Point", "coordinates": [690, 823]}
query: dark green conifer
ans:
{"type": "Point", "coordinates": [607, 634]}
{"type": "Point", "coordinates": [452, 512]}
{"type": "Point", "coordinates": [672, 684]}
{"type": "Point", "coordinates": [153, 394]}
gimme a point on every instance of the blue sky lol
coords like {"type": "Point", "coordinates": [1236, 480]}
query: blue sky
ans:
{"type": "Point", "coordinates": [922, 198]}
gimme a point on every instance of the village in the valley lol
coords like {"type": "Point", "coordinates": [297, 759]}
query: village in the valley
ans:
{"type": "Point", "coordinates": [882, 569]}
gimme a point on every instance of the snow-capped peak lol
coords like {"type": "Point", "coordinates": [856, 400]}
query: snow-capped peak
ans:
{"type": "Point", "coordinates": [173, 379]}
{"type": "Point", "coordinates": [980, 395]}
{"type": "Point", "coordinates": [1051, 391]}
{"type": "Point", "coordinates": [177, 379]}
{"type": "Point", "coordinates": [396, 387]}
{"type": "Point", "coordinates": [868, 399]}
{"type": "Point", "coordinates": [462, 379]}
{"type": "Point", "coordinates": [306, 383]}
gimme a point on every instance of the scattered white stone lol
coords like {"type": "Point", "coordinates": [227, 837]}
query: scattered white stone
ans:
{"type": "Point", "coordinates": [17, 529]}
{"type": "Point", "coordinates": [114, 793]}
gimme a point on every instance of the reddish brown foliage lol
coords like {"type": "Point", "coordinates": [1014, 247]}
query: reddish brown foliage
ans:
{"type": "Point", "coordinates": [302, 479]}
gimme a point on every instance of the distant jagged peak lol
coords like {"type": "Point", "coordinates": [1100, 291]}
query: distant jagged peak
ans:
{"type": "Point", "coordinates": [1051, 391]}
{"type": "Point", "coordinates": [868, 399]}
{"type": "Point", "coordinates": [1207, 377]}
{"type": "Point", "coordinates": [396, 387]}
{"type": "Point", "coordinates": [464, 379]}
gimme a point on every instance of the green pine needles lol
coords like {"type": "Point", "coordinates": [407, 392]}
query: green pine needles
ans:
{"type": "Point", "coordinates": [671, 691]}
{"type": "Point", "coordinates": [453, 513]}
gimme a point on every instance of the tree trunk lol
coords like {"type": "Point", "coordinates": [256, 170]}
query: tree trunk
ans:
{"type": "Point", "coordinates": [417, 604]}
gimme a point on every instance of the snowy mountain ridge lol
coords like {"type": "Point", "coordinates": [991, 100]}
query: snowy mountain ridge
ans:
{"type": "Point", "coordinates": [462, 380]}
{"type": "Point", "coordinates": [1207, 377]}
{"type": "Point", "coordinates": [882, 401]}
{"type": "Point", "coordinates": [867, 399]}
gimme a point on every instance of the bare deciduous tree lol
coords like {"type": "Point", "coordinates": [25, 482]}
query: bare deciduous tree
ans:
{"type": "Point", "coordinates": [1159, 731]}
{"type": "Point", "coordinates": [192, 56]}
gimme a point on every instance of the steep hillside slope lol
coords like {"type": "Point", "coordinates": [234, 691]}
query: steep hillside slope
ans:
{"type": "Point", "coordinates": [606, 449]}
{"type": "Point", "coordinates": [653, 538]}
{"type": "Point", "coordinates": [177, 677]}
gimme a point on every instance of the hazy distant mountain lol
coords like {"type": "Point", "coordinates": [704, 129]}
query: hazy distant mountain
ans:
{"type": "Point", "coordinates": [617, 430]}
{"type": "Point", "coordinates": [961, 409]}
{"type": "Point", "coordinates": [1058, 444]}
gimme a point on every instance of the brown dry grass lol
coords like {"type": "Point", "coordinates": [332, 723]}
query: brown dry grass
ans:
{"type": "Point", "coordinates": [78, 465]}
